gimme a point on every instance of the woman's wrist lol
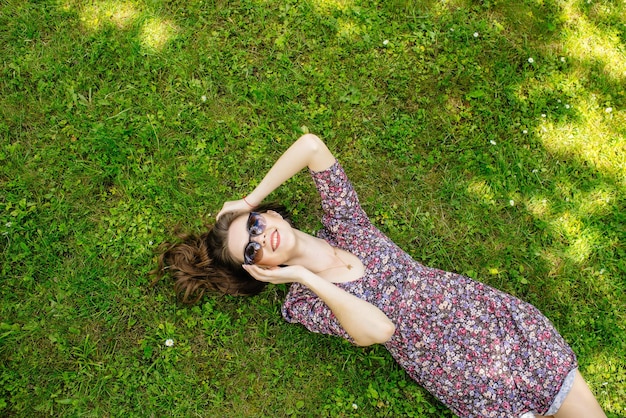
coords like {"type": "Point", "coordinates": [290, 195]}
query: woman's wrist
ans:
{"type": "Point", "coordinates": [246, 199]}
{"type": "Point", "coordinates": [254, 198]}
{"type": "Point", "coordinates": [310, 279]}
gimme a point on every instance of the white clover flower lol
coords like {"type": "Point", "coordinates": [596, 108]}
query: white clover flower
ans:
{"type": "Point", "coordinates": [355, 406]}
{"type": "Point", "coordinates": [150, 243]}
{"type": "Point", "coordinates": [567, 106]}
{"type": "Point", "coordinates": [543, 115]}
{"type": "Point", "coordinates": [562, 59]}
{"type": "Point", "coordinates": [386, 42]}
{"type": "Point", "coordinates": [492, 142]}
{"type": "Point", "coordinates": [531, 60]}
{"type": "Point", "coordinates": [608, 109]}
{"type": "Point", "coordinates": [203, 98]}
{"type": "Point", "coordinates": [512, 202]}
{"type": "Point", "coordinates": [169, 342]}
{"type": "Point", "coordinates": [525, 131]}
{"type": "Point", "coordinates": [535, 171]}
{"type": "Point", "coordinates": [475, 34]}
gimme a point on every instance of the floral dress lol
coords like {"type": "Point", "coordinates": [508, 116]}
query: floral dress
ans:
{"type": "Point", "coordinates": [480, 351]}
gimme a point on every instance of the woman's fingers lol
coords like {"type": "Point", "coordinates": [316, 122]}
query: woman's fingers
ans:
{"type": "Point", "coordinates": [236, 206]}
{"type": "Point", "coordinates": [275, 275]}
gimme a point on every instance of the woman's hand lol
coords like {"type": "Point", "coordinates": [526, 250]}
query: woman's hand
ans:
{"type": "Point", "coordinates": [277, 275]}
{"type": "Point", "coordinates": [237, 206]}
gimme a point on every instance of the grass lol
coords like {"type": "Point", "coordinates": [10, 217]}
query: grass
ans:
{"type": "Point", "coordinates": [486, 138]}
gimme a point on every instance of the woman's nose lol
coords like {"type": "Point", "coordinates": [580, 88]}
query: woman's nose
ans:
{"type": "Point", "coordinates": [259, 238]}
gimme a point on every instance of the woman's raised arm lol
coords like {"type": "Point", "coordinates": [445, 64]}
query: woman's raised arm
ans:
{"type": "Point", "coordinates": [308, 151]}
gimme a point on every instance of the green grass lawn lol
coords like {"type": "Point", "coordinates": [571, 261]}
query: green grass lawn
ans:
{"type": "Point", "coordinates": [486, 138]}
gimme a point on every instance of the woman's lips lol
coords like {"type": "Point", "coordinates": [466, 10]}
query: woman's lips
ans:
{"type": "Point", "coordinates": [275, 240]}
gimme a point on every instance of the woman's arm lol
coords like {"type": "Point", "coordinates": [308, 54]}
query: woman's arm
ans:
{"type": "Point", "coordinates": [364, 322]}
{"type": "Point", "coordinates": [308, 151]}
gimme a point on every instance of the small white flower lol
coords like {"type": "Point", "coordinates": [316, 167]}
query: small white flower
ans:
{"type": "Point", "coordinates": [169, 342]}
{"type": "Point", "coordinates": [475, 34]}
{"type": "Point", "coordinates": [386, 41]}
{"type": "Point", "coordinates": [492, 142]}
{"type": "Point", "coordinates": [8, 224]}
{"type": "Point", "coordinates": [512, 202]}
{"type": "Point", "coordinates": [562, 59]}
{"type": "Point", "coordinates": [203, 98]}
{"type": "Point", "coordinates": [525, 131]}
{"type": "Point", "coordinates": [567, 106]}
{"type": "Point", "coordinates": [535, 171]}
{"type": "Point", "coordinates": [531, 60]}
{"type": "Point", "coordinates": [608, 109]}
{"type": "Point", "coordinates": [451, 29]}
{"type": "Point", "coordinates": [150, 243]}
{"type": "Point", "coordinates": [543, 115]}
{"type": "Point", "coordinates": [355, 406]}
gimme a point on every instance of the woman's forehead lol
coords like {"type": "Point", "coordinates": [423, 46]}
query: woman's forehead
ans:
{"type": "Point", "coordinates": [238, 236]}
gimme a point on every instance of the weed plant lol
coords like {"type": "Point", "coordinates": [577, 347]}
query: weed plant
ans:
{"type": "Point", "coordinates": [485, 137]}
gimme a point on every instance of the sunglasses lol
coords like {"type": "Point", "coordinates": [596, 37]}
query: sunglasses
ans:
{"type": "Point", "coordinates": [253, 253]}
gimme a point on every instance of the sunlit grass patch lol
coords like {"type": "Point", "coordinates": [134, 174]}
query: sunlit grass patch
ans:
{"type": "Point", "coordinates": [594, 138]}
{"type": "Point", "coordinates": [578, 240]}
{"type": "Point", "coordinates": [539, 206]}
{"type": "Point", "coordinates": [156, 33]}
{"type": "Point", "coordinates": [109, 12]}
{"type": "Point", "coordinates": [582, 247]}
{"type": "Point", "coordinates": [607, 376]}
{"type": "Point", "coordinates": [328, 6]}
{"type": "Point", "coordinates": [482, 191]}
{"type": "Point", "coordinates": [586, 42]}
{"type": "Point", "coordinates": [598, 201]}
{"type": "Point", "coordinates": [349, 29]}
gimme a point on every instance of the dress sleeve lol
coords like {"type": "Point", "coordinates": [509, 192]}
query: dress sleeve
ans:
{"type": "Point", "coordinates": [342, 216]}
{"type": "Point", "coordinates": [304, 307]}
{"type": "Point", "coordinates": [340, 202]}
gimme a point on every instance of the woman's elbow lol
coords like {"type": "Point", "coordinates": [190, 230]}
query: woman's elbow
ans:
{"type": "Point", "coordinates": [312, 140]}
{"type": "Point", "coordinates": [388, 330]}
{"type": "Point", "coordinates": [381, 336]}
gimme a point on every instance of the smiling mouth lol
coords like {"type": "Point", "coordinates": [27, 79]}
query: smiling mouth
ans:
{"type": "Point", "coordinates": [275, 240]}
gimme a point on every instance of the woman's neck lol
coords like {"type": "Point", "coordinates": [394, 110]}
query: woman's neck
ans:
{"type": "Point", "coordinates": [333, 264]}
{"type": "Point", "coordinates": [313, 253]}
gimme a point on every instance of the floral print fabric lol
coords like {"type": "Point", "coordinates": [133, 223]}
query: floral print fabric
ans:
{"type": "Point", "coordinates": [480, 351]}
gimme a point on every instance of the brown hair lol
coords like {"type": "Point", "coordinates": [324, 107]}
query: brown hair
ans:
{"type": "Point", "coordinates": [200, 263]}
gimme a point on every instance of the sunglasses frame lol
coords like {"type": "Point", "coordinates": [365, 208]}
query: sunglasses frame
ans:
{"type": "Point", "coordinates": [255, 226]}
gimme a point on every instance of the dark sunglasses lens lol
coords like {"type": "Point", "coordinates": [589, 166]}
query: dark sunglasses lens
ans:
{"type": "Point", "coordinates": [253, 253]}
{"type": "Point", "coordinates": [256, 224]}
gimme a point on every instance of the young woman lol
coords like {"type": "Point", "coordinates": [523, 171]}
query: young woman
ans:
{"type": "Point", "coordinates": [480, 351]}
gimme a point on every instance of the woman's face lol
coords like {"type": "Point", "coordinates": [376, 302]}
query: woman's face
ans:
{"type": "Point", "coordinates": [275, 240]}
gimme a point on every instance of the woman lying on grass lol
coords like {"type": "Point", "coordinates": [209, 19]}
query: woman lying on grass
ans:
{"type": "Point", "coordinates": [482, 352]}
